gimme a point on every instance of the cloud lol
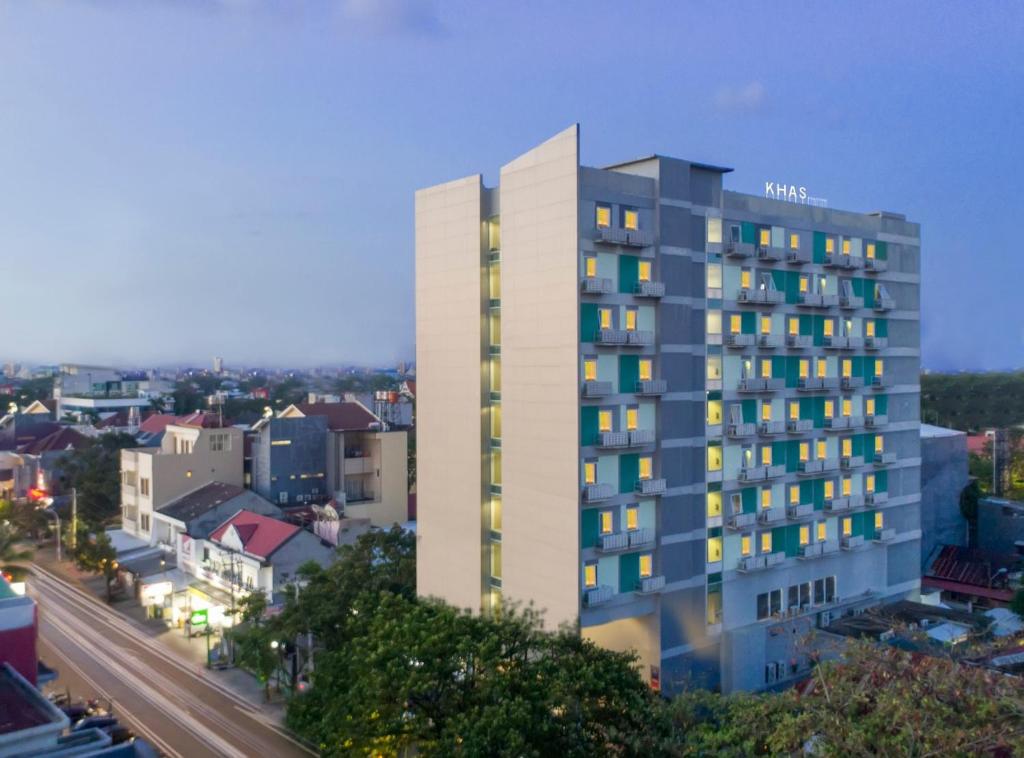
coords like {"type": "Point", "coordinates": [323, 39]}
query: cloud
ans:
{"type": "Point", "coordinates": [393, 16]}
{"type": "Point", "coordinates": [747, 98]}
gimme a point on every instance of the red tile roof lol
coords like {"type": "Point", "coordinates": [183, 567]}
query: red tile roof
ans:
{"type": "Point", "coordinates": [973, 571]}
{"type": "Point", "coordinates": [62, 439]}
{"type": "Point", "coordinates": [341, 417]}
{"type": "Point", "coordinates": [261, 535]}
{"type": "Point", "coordinates": [159, 422]}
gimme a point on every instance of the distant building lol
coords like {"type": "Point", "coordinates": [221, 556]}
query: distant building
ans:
{"type": "Point", "coordinates": [1001, 526]}
{"type": "Point", "coordinates": [218, 365]}
{"type": "Point", "coordinates": [41, 461]}
{"type": "Point", "coordinates": [968, 577]}
{"type": "Point", "coordinates": [289, 460]}
{"type": "Point", "coordinates": [943, 477]}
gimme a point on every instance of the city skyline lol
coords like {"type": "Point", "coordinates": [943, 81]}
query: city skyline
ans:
{"type": "Point", "coordinates": [287, 143]}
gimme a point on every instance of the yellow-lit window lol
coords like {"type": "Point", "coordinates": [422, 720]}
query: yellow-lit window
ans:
{"type": "Point", "coordinates": [607, 522]}
{"type": "Point", "coordinates": [821, 449]}
{"type": "Point", "coordinates": [604, 420]}
{"type": "Point", "coordinates": [764, 237]}
{"type": "Point", "coordinates": [847, 407]}
{"type": "Point", "coordinates": [805, 284]}
{"type": "Point", "coordinates": [714, 549]}
{"type": "Point", "coordinates": [829, 327]}
{"type": "Point", "coordinates": [745, 278]}
{"type": "Point", "coordinates": [805, 368]}
{"type": "Point", "coordinates": [869, 250]}
{"type": "Point", "coordinates": [829, 489]}
{"type": "Point", "coordinates": [766, 497]}
{"type": "Point", "coordinates": [879, 520]}
{"type": "Point", "coordinates": [632, 419]}
{"type": "Point", "coordinates": [846, 247]}
{"type": "Point", "coordinates": [496, 513]}
{"type": "Point", "coordinates": [496, 421]}
{"type": "Point", "coordinates": [794, 494]}
{"type": "Point", "coordinates": [822, 368]}
{"type": "Point", "coordinates": [714, 458]}
{"type": "Point", "coordinates": [632, 517]}
{"type": "Point", "coordinates": [766, 455]}
{"type": "Point", "coordinates": [766, 542]}
{"type": "Point", "coordinates": [714, 412]}
{"type": "Point", "coordinates": [590, 266]}
{"type": "Point", "coordinates": [590, 472]}
{"type": "Point", "coordinates": [496, 467]}
{"type": "Point", "coordinates": [766, 324]}
{"type": "Point", "coordinates": [646, 565]}
{"type": "Point", "coordinates": [643, 271]}
{"type": "Point", "coordinates": [745, 545]}
{"type": "Point", "coordinates": [590, 575]}
{"type": "Point", "coordinates": [646, 369]}
{"type": "Point", "coordinates": [879, 367]}
{"type": "Point", "coordinates": [869, 328]}
{"type": "Point", "coordinates": [879, 443]}
{"type": "Point", "coordinates": [714, 367]}
{"type": "Point", "coordinates": [794, 410]}
{"type": "Point", "coordinates": [847, 367]}
{"type": "Point", "coordinates": [793, 326]}
{"type": "Point", "coordinates": [830, 245]}
{"type": "Point", "coordinates": [847, 444]}
{"type": "Point", "coordinates": [766, 368]}
{"type": "Point", "coordinates": [631, 219]}
{"type": "Point", "coordinates": [829, 409]}
{"type": "Point", "coordinates": [605, 316]}
{"type": "Point", "coordinates": [495, 374]}
{"type": "Point", "coordinates": [869, 406]}
{"type": "Point", "coordinates": [794, 241]}
{"type": "Point", "coordinates": [590, 370]}
{"type": "Point", "coordinates": [805, 535]}
{"type": "Point", "coordinates": [846, 486]}
{"type": "Point", "coordinates": [714, 230]}
{"type": "Point", "coordinates": [805, 452]}
{"type": "Point", "coordinates": [630, 320]}
{"type": "Point", "coordinates": [822, 284]}
{"type": "Point", "coordinates": [766, 411]}
{"type": "Point", "coordinates": [869, 483]}
{"type": "Point", "coordinates": [714, 504]}
{"type": "Point", "coordinates": [822, 531]}
{"type": "Point", "coordinates": [604, 216]}
{"type": "Point", "coordinates": [847, 526]}
{"type": "Point", "coordinates": [646, 467]}
{"type": "Point", "coordinates": [735, 323]}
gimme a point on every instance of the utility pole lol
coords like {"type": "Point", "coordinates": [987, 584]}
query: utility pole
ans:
{"type": "Point", "coordinates": [74, 520]}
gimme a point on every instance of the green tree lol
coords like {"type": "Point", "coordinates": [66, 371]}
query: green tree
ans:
{"type": "Point", "coordinates": [94, 472]}
{"type": "Point", "coordinates": [13, 553]}
{"type": "Point", "coordinates": [253, 644]}
{"type": "Point", "coordinates": [96, 555]}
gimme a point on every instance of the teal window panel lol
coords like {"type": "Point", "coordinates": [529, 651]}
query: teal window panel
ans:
{"type": "Point", "coordinates": [588, 322]}
{"type": "Point", "coordinates": [629, 266]}
{"type": "Point", "coordinates": [858, 286]}
{"type": "Point", "coordinates": [589, 527]}
{"type": "Point", "coordinates": [806, 324]}
{"type": "Point", "coordinates": [714, 486]}
{"type": "Point", "coordinates": [748, 497]}
{"type": "Point", "coordinates": [882, 481]}
{"type": "Point", "coordinates": [629, 571]}
{"type": "Point", "coordinates": [882, 327]}
{"type": "Point", "coordinates": [715, 395]}
{"type": "Point", "coordinates": [748, 233]}
{"type": "Point", "coordinates": [806, 492]}
{"type": "Point", "coordinates": [819, 247]}
{"type": "Point", "coordinates": [819, 494]}
{"type": "Point", "coordinates": [629, 472]}
{"type": "Point", "coordinates": [858, 444]}
{"type": "Point", "coordinates": [792, 288]}
{"type": "Point", "coordinates": [818, 330]}
{"type": "Point", "coordinates": [629, 372]}
{"type": "Point", "coordinates": [778, 367]}
{"type": "Point", "coordinates": [588, 425]}
{"type": "Point", "coordinates": [882, 251]}
{"type": "Point", "coordinates": [748, 322]}
{"type": "Point", "coordinates": [792, 371]}
{"type": "Point", "coordinates": [869, 293]}
{"type": "Point", "coordinates": [749, 411]}
{"type": "Point", "coordinates": [715, 531]}
{"type": "Point", "coordinates": [715, 578]}
{"type": "Point", "coordinates": [792, 455]}
{"type": "Point", "coordinates": [882, 405]}
{"type": "Point", "coordinates": [819, 412]}
{"type": "Point", "coordinates": [779, 450]}
{"type": "Point", "coordinates": [779, 278]}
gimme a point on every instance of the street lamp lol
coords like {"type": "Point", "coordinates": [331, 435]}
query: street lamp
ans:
{"type": "Point", "coordinates": [48, 509]}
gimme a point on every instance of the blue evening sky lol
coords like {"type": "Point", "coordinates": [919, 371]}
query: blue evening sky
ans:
{"type": "Point", "coordinates": [188, 178]}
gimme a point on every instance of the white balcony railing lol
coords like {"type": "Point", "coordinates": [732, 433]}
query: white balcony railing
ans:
{"type": "Point", "coordinates": [772, 427]}
{"type": "Point", "coordinates": [612, 542]}
{"type": "Point", "coordinates": [876, 343]}
{"type": "Point", "coordinates": [649, 289]}
{"type": "Point", "coordinates": [639, 339]}
{"type": "Point", "coordinates": [742, 520]}
{"type": "Point", "coordinates": [641, 537]}
{"type": "Point", "coordinates": [885, 535]}
{"type": "Point", "coordinates": [650, 584]}
{"type": "Point", "coordinates": [639, 437]}
{"type": "Point", "coordinates": [885, 459]}
{"type": "Point", "coordinates": [771, 515]}
{"type": "Point", "coordinates": [873, 422]}
{"type": "Point", "coordinates": [596, 389]}
{"type": "Point", "coordinates": [739, 340]}
{"type": "Point", "coordinates": [651, 387]}
{"type": "Point", "coordinates": [800, 510]}
{"type": "Point", "coordinates": [597, 595]}
{"type": "Point", "coordinates": [852, 542]}
{"type": "Point", "coordinates": [629, 237]}
{"type": "Point", "coordinates": [593, 493]}
{"type": "Point", "coordinates": [837, 504]}
{"type": "Point", "coordinates": [874, 265]}
{"type": "Point", "coordinates": [613, 439]}
{"type": "Point", "coordinates": [799, 425]}
{"type": "Point", "coordinates": [610, 337]}
{"type": "Point", "coordinates": [799, 341]}
{"type": "Point", "coordinates": [650, 486]}
{"type": "Point", "coordinates": [740, 430]}
{"type": "Point", "coordinates": [592, 285]}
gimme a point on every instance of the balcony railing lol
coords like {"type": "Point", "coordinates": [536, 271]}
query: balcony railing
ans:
{"type": "Point", "coordinates": [641, 537]}
{"type": "Point", "coordinates": [651, 387]}
{"type": "Point", "coordinates": [876, 498]}
{"type": "Point", "coordinates": [597, 595]}
{"type": "Point", "coordinates": [650, 486]}
{"type": "Point", "coordinates": [852, 542]}
{"type": "Point", "coordinates": [593, 493]}
{"type": "Point", "coordinates": [797, 257]}
{"type": "Point", "coordinates": [739, 249]}
{"type": "Point", "coordinates": [760, 473]}
{"type": "Point", "coordinates": [760, 297]}
{"type": "Point", "coordinates": [836, 341]}
{"type": "Point", "coordinates": [612, 235]}
{"type": "Point", "coordinates": [839, 260]}
{"type": "Point", "coordinates": [810, 468]}
{"type": "Point", "coordinates": [772, 427]}
{"type": "Point", "coordinates": [874, 265]}
{"type": "Point", "coordinates": [742, 520]}
{"type": "Point", "coordinates": [850, 302]}
{"type": "Point", "coordinates": [612, 542]}
{"type": "Point", "coordinates": [810, 300]}
{"type": "Point", "coordinates": [649, 289]}
{"type": "Point", "coordinates": [837, 504]}
{"type": "Point", "coordinates": [884, 304]}
{"type": "Point", "coordinates": [879, 382]}
{"type": "Point", "coordinates": [759, 562]}
{"type": "Point", "coordinates": [770, 253]}
{"type": "Point", "coordinates": [885, 459]}
{"type": "Point", "coordinates": [759, 384]}
{"type": "Point", "coordinates": [848, 462]}
{"type": "Point", "coordinates": [610, 337]}
{"type": "Point", "coordinates": [596, 389]}
{"type": "Point", "coordinates": [639, 339]}
{"type": "Point", "coordinates": [799, 341]}
{"type": "Point", "coordinates": [650, 584]}
{"type": "Point", "coordinates": [769, 341]}
{"type": "Point", "coordinates": [771, 515]}
{"type": "Point", "coordinates": [592, 285]}
{"type": "Point", "coordinates": [639, 437]}
{"type": "Point", "coordinates": [837, 423]}
{"type": "Point", "coordinates": [740, 430]}
{"type": "Point", "coordinates": [816, 383]}
{"type": "Point", "coordinates": [800, 510]}
{"type": "Point", "coordinates": [876, 343]}
{"type": "Point", "coordinates": [739, 340]}
{"type": "Point", "coordinates": [818, 549]}
{"type": "Point", "coordinates": [873, 422]}
{"type": "Point", "coordinates": [885, 535]}
{"type": "Point", "coordinates": [799, 425]}
{"type": "Point", "coordinates": [613, 439]}
{"type": "Point", "coordinates": [851, 382]}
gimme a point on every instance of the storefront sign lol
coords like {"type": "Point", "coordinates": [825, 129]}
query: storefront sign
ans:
{"type": "Point", "coordinates": [792, 193]}
{"type": "Point", "coordinates": [154, 594]}
{"type": "Point", "coordinates": [198, 618]}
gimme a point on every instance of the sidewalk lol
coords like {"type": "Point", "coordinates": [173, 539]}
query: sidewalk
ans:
{"type": "Point", "coordinates": [188, 651]}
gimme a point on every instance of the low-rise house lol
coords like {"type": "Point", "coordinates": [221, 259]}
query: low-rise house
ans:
{"type": "Point", "coordinates": [41, 461]}
{"type": "Point", "coordinates": [289, 460]}
{"type": "Point", "coordinates": [1001, 526]}
{"type": "Point", "coordinates": [969, 578]}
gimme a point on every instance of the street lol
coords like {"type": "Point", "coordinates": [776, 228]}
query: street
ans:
{"type": "Point", "coordinates": [175, 704]}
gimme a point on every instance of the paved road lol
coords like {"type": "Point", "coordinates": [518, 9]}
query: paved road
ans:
{"type": "Point", "coordinates": [172, 703]}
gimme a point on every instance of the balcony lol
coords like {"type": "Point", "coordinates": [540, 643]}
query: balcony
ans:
{"type": "Point", "coordinates": [639, 339]}
{"type": "Point", "coordinates": [649, 289]}
{"type": "Point", "coordinates": [876, 343]}
{"type": "Point", "coordinates": [771, 515]}
{"type": "Point", "coordinates": [854, 343]}
{"type": "Point", "coordinates": [611, 543]}
{"type": "Point", "coordinates": [739, 340]}
{"type": "Point", "coordinates": [610, 235]}
{"type": "Point", "coordinates": [651, 387]}
{"type": "Point", "coordinates": [875, 266]}
{"type": "Point", "coordinates": [739, 249]}
{"type": "Point", "coordinates": [737, 431]}
{"type": "Point", "coordinates": [876, 498]}
{"type": "Point", "coordinates": [884, 303]}
{"type": "Point", "coordinates": [742, 520]}
{"type": "Point", "coordinates": [592, 285]}
{"type": "Point", "coordinates": [885, 535]}
{"type": "Point", "coordinates": [810, 300]}
{"type": "Point", "coordinates": [837, 504]}
{"type": "Point", "coordinates": [838, 260]}
{"type": "Point", "coordinates": [818, 549]}
{"type": "Point", "coordinates": [852, 542]}
{"type": "Point", "coordinates": [758, 384]}
{"type": "Point", "coordinates": [837, 423]}
{"type": "Point", "coordinates": [760, 297]}
{"type": "Point", "coordinates": [649, 585]}
{"type": "Point", "coordinates": [799, 425]}
{"type": "Point", "coordinates": [879, 382]}
{"type": "Point", "coordinates": [760, 562]}
{"type": "Point", "coordinates": [800, 510]}
{"type": "Point", "coordinates": [811, 384]}
{"type": "Point", "coordinates": [595, 493]}
{"type": "Point", "coordinates": [810, 468]}
{"type": "Point", "coordinates": [596, 389]}
{"type": "Point", "coordinates": [650, 486]}
{"type": "Point", "coordinates": [829, 301]}
{"type": "Point", "coordinates": [760, 473]}
{"type": "Point", "coordinates": [885, 459]}
{"type": "Point", "coordinates": [768, 428]}
{"type": "Point", "coordinates": [769, 341]}
{"type": "Point", "coordinates": [799, 341]}
{"type": "Point", "coordinates": [797, 257]}
{"type": "Point", "coordinates": [837, 342]}
{"type": "Point", "coordinates": [597, 596]}
{"type": "Point", "coordinates": [610, 337]}
{"type": "Point", "coordinates": [850, 302]}
{"type": "Point", "coordinates": [640, 437]}
{"type": "Point", "coordinates": [851, 382]}
{"type": "Point", "coordinates": [641, 537]}
{"type": "Point", "coordinates": [770, 253]}
{"type": "Point", "coordinates": [856, 501]}
{"type": "Point", "coordinates": [613, 439]}
{"type": "Point", "coordinates": [874, 422]}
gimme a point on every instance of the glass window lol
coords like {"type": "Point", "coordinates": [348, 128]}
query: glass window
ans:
{"type": "Point", "coordinates": [847, 486]}
{"type": "Point", "coordinates": [607, 522]}
{"type": "Point", "coordinates": [766, 368]}
{"type": "Point", "coordinates": [604, 420]}
{"type": "Point", "coordinates": [714, 412]}
{"type": "Point", "coordinates": [496, 560]}
{"type": "Point", "coordinates": [846, 246]}
{"type": "Point", "coordinates": [766, 542]}
{"type": "Point", "coordinates": [714, 230]}
{"type": "Point", "coordinates": [829, 327]}
{"type": "Point", "coordinates": [869, 328]}
{"type": "Point", "coordinates": [847, 407]}
{"type": "Point", "coordinates": [632, 517]}
{"type": "Point", "coordinates": [590, 369]}
{"type": "Point", "coordinates": [869, 250]}
{"type": "Point", "coordinates": [794, 494]}
{"type": "Point", "coordinates": [805, 535]}
{"type": "Point", "coordinates": [805, 283]}
{"type": "Point", "coordinates": [794, 410]}
{"type": "Point", "coordinates": [644, 271]}
{"type": "Point", "coordinates": [714, 549]}
{"type": "Point", "coordinates": [766, 455]}
{"type": "Point", "coordinates": [714, 275]}
{"type": "Point", "coordinates": [847, 526]}
{"type": "Point", "coordinates": [496, 466]}
{"type": "Point", "coordinates": [847, 368]}
{"type": "Point", "coordinates": [590, 575]}
{"type": "Point", "coordinates": [793, 326]}
{"type": "Point", "coordinates": [745, 546]}
{"type": "Point", "coordinates": [646, 369]}
{"type": "Point", "coordinates": [646, 565]}
{"type": "Point", "coordinates": [869, 482]}
{"type": "Point", "coordinates": [589, 266]}
{"type": "Point", "coordinates": [646, 467]}
{"type": "Point", "coordinates": [830, 489]}
{"type": "Point", "coordinates": [496, 513]}
{"type": "Point", "coordinates": [821, 449]}
{"type": "Point", "coordinates": [879, 520]}
{"type": "Point", "coordinates": [766, 411]}
{"type": "Point", "coordinates": [714, 367]}
{"type": "Point", "coordinates": [605, 317]}
{"type": "Point", "coordinates": [714, 504]}
{"type": "Point", "coordinates": [879, 443]}
{"type": "Point", "coordinates": [631, 319]}
{"type": "Point", "coordinates": [766, 497]}
{"type": "Point", "coordinates": [830, 245]}
{"type": "Point", "coordinates": [762, 606]}
{"type": "Point", "coordinates": [805, 367]}
{"type": "Point", "coordinates": [764, 237]}
{"type": "Point", "coordinates": [590, 472]}
{"type": "Point", "coordinates": [494, 280]}
{"type": "Point", "coordinates": [822, 531]}
{"type": "Point", "coordinates": [766, 324]}
{"type": "Point", "coordinates": [494, 233]}
{"type": "Point", "coordinates": [496, 421]}
{"type": "Point", "coordinates": [735, 323]}
{"type": "Point", "coordinates": [847, 447]}
{"type": "Point", "coordinates": [495, 324]}
{"type": "Point", "coordinates": [822, 368]}
{"type": "Point", "coordinates": [829, 407]}
{"type": "Point", "coordinates": [630, 218]}
{"type": "Point", "coordinates": [714, 320]}
{"type": "Point", "coordinates": [495, 374]}
{"type": "Point", "coordinates": [794, 241]}
{"type": "Point", "coordinates": [632, 418]}
{"type": "Point", "coordinates": [805, 452]}
{"type": "Point", "coordinates": [879, 367]}
{"type": "Point", "coordinates": [604, 216]}
{"type": "Point", "coordinates": [714, 457]}
{"type": "Point", "coordinates": [869, 406]}
{"type": "Point", "coordinates": [745, 278]}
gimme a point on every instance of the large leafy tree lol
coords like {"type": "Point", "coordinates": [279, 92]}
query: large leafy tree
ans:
{"type": "Point", "coordinates": [13, 552]}
{"type": "Point", "coordinates": [95, 553]}
{"type": "Point", "coordinates": [94, 471]}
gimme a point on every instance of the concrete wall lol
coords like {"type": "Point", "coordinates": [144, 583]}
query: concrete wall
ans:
{"type": "Point", "coordinates": [1001, 526]}
{"type": "Point", "coordinates": [943, 478]}
{"type": "Point", "coordinates": [304, 458]}
{"type": "Point", "coordinates": [389, 473]}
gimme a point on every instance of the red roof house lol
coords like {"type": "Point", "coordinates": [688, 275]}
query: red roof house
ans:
{"type": "Point", "coordinates": [257, 535]}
